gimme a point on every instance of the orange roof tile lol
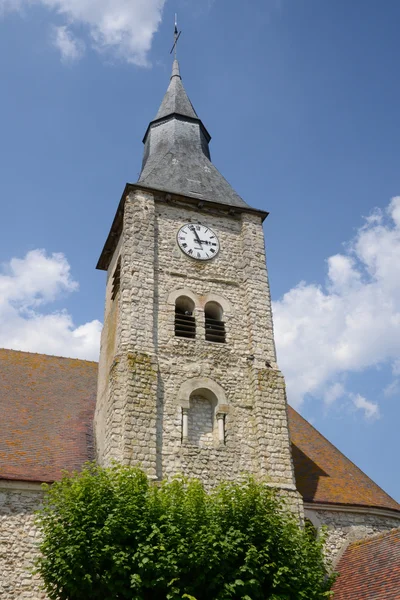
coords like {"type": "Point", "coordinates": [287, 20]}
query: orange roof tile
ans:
{"type": "Point", "coordinates": [47, 406]}
{"type": "Point", "coordinates": [325, 475]}
{"type": "Point", "coordinates": [46, 413]}
{"type": "Point", "coordinates": [370, 569]}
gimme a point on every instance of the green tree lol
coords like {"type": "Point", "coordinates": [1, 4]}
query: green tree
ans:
{"type": "Point", "coordinates": [111, 534]}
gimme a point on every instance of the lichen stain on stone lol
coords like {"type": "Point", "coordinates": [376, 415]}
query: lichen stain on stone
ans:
{"type": "Point", "coordinates": [269, 380]}
{"type": "Point", "coordinates": [200, 267]}
{"type": "Point", "coordinates": [141, 362]}
{"type": "Point", "coordinates": [114, 366]}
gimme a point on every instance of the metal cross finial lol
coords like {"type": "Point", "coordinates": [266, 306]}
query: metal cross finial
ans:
{"type": "Point", "coordinates": [176, 37]}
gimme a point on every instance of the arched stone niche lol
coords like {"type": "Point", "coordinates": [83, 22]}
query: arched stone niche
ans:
{"type": "Point", "coordinates": [210, 390]}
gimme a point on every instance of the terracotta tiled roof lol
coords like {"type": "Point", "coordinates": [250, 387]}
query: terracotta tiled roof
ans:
{"type": "Point", "coordinates": [325, 475]}
{"type": "Point", "coordinates": [46, 410]}
{"type": "Point", "coordinates": [370, 570]}
{"type": "Point", "coordinates": [46, 413]}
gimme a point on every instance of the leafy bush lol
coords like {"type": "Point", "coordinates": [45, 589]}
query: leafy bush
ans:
{"type": "Point", "coordinates": [111, 534]}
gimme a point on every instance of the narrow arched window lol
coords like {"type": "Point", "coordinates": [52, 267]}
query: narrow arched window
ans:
{"type": "Point", "coordinates": [215, 326]}
{"type": "Point", "coordinates": [185, 323]}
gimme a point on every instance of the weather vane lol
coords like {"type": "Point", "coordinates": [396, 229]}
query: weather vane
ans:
{"type": "Point", "coordinates": [176, 37]}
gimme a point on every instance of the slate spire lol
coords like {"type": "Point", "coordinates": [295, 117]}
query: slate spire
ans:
{"type": "Point", "coordinates": [176, 153]}
{"type": "Point", "coordinates": [176, 99]}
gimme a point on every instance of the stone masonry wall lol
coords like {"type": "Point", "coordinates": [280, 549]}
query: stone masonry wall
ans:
{"type": "Point", "coordinates": [346, 527]}
{"type": "Point", "coordinates": [238, 278]}
{"type": "Point", "coordinates": [126, 409]}
{"type": "Point", "coordinates": [202, 423]}
{"type": "Point", "coordinates": [108, 346]}
{"type": "Point", "coordinates": [140, 421]}
{"type": "Point", "coordinates": [18, 545]}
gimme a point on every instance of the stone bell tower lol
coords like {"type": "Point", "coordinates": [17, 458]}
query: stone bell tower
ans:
{"type": "Point", "coordinates": [188, 379]}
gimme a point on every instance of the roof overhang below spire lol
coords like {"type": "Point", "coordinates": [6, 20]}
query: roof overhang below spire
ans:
{"type": "Point", "coordinates": [162, 196]}
{"type": "Point", "coordinates": [177, 116]}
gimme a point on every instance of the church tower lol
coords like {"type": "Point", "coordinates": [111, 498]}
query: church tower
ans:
{"type": "Point", "coordinates": [188, 379]}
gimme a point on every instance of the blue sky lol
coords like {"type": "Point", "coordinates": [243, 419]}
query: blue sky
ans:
{"type": "Point", "coordinates": [302, 101]}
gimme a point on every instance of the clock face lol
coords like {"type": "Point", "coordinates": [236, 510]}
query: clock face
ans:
{"type": "Point", "coordinates": [198, 241]}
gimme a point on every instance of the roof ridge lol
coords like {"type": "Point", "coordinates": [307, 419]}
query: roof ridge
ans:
{"type": "Point", "coordinates": [375, 537]}
{"type": "Point", "coordinates": [27, 352]}
{"type": "Point", "coordinates": [168, 151]}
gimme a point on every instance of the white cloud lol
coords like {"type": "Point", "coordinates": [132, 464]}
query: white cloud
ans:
{"type": "Point", "coordinates": [371, 409]}
{"type": "Point", "coordinates": [333, 393]}
{"type": "Point", "coordinates": [392, 389]}
{"type": "Point", "coordinates": [123, 27]}
{"type": "Point", "coordinates": [26, 286]}
{"type": "Point", "coordinates": [71, 48]}
{"type": "Point", "coordinates": [350, 324]}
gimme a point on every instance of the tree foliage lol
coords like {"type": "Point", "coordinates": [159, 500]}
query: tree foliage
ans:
{"type": "Point", "coordinates": [111, 534]}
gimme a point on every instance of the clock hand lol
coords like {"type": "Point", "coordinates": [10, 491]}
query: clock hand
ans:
{"type": "Point", "coordinates": [197, 235]}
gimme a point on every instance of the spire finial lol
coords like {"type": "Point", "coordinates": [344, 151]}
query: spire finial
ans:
{"type": "Point", "coordinates": [176, 37]}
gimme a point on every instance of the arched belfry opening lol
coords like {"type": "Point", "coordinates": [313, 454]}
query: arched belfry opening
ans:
{"type": "Point", "coordinates": [185, 322]}
{"type": "Point", "coordinates": [214, 323]}
{"type": "Point", "coordinates": [204, 408]}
